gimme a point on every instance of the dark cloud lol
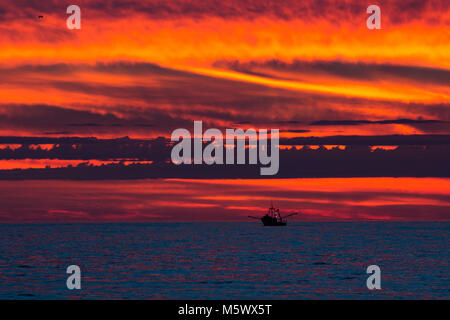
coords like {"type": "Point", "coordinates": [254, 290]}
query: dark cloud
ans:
{"type": "Point", "coordinates": [295, 131]}
{"type": "Point", "coordinates": [59, 133]}
{"type": "Point", "coordinates": [361, 122]}
{"type": "Point", "coordinates": [181, 97]}
{"type": "Point", "coordinates": [55, 120]}
{"type": "Point", "coordinates": [375, 140]}
{"type": "Point", "coordinates": [387, 140]}
{"type": "Point", "coordinates": [415, 156]}
{"type": "Point", "coordinates": [424, 125]}
{"type": "Point", "coordinates": [352, 70]}
{"type": "Point", "coordinates": [335, 11]}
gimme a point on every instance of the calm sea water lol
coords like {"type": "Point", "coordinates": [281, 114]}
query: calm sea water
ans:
{"type": "Point", "coordinates": [225, 260]}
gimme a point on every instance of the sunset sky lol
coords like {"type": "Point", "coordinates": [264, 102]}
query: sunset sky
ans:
{"type": "Point", "coordinates": [353, 199]}
{"type": "Point", "coordinates": [145, 68]}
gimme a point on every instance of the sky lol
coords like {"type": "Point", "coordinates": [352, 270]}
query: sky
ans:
{"type": "Point", "coordinates": [142, 69]}
{"type": "Point", "coordinates": [172, 200]}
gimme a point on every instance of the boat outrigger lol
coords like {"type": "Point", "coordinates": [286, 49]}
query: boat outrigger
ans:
{"type": "Point", "coordinates": [273, 217]}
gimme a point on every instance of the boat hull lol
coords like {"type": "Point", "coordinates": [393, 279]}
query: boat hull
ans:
{"type": "Point", "coordinates": [271, 222]}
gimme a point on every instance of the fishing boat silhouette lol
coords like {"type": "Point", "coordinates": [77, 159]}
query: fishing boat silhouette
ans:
{"type": "Point", "coordinates": [273, 217]}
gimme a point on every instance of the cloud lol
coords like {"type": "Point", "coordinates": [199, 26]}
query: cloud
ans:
{"type": "Point", "coordinates": [183, 32]}
{"type": "Point", "coordinates": [361, 122]}
{"type": "Point", "coordinates": [396, 12]}
{"type": "Point", "coordinates": [278, 69]}
{"type": "Point", "coordinates": [414, 156]}
{"type": "Point", "coordinates": [134, 99]}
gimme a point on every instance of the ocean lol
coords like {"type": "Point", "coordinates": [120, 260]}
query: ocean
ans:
{"type": "Point", "coordinates": [210, 260]}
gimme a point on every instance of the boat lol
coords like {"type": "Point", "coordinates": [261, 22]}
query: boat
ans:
{"type": "Point", "coordinates": [273, 217]}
